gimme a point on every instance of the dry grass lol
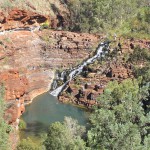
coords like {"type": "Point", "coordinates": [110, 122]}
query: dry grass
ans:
{"type": "Point", "coordinates": [43, 7]}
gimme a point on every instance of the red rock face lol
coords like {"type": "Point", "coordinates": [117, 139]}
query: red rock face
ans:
{"type": "Point", "coordinates": [28, 60]}
{"type": "Point", "coordinates": [15, 91]}
{"type": "Point", "coordinates": [20, 18]}
{"type": "Point", "coordinates": [25, 16]}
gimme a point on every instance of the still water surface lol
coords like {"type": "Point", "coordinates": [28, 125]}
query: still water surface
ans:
{"type": "Point", "coordinates": [44, 110]}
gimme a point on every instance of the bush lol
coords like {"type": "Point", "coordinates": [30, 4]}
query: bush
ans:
{"type": "Point", "coordinates": [45, 25]}
{"type": "Point", "coordinates": [22, 124]}
{"type": "Point", "coordinates": [139, 55]}
{"type": "Point", "coordinates": [137, 26]}
{"type": "Point", "coordinates": [27, 144]}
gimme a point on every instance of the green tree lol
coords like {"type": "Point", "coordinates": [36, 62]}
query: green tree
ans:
{"type": "Point", "coordinates": [120, 120]}
{"type": "Point", "coordinates": [107, 133]}
{"type": "Point", "coordinates": [66, 135]}
{"type": "Point", "coordinates": [140, 59]}
{"type": "Point", "coordinates": [4, 127]}
{"type": "Point", "coordinates": [137, 25]}
{"type": "Point", "coordinates": [94, 15]}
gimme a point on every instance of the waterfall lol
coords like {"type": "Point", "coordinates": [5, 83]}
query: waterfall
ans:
{"type": "Point", "coordinates": [79, 69]}
{"type": "Point", "coordinates": [63, 74]}
{"type": "Point", "coordinates": [54, 86]}
{"type": "Point", "coordinates": [76, 71]}
{"type": "Point", "coordinates": [57, 91]}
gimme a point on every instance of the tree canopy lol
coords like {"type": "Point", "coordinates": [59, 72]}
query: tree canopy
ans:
{"type": "Point", "coordinates": [4, 127]}
{"type": "Point", "coordinates": [120, 121]}
{"type": "Point", "coordinates": [66, 135]}
{"type": "Point", "coordinates": [128, 16]}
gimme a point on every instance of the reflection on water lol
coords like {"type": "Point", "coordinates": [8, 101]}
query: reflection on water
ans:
{"type": "Point", "coordinates": [44, 110]}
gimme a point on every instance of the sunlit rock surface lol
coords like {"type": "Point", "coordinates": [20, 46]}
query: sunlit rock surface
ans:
{"type": "Point", "coordinates": [28, 61]}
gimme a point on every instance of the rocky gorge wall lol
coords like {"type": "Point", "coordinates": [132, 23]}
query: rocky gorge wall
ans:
{"type": "Point", "coordinates": [28, 60]}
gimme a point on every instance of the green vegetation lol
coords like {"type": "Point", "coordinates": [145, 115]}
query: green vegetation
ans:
{"type": "Point", "coordinates": [22, 124]}
{"type": "Point", "coordinates": [4, 127]}
{"type": "Point", "coordinates": [120, 121]}
{"type": "Point", "coordinates": [27, 144]}
{"type": "Point", "coordinates": [60, 136]}
{"type": "Point", "coordinates": [124, 17]}
{"type": "Point", "coordinates": [66, 135]}
{"type": "Point", "coordinates": [138, 26]}
{"type": "Point", "coordinates": [139, 56]}
{"type": "Point", "coordinates": [140, 59]}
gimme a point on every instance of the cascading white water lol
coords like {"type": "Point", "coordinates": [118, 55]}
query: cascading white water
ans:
{"type": "Point", "coordinates": [63, 75]}
{"type": "Point", "coordinates": [76, 71]}
{"type": "Point", "coordinates": [57, 91]}
{"type": "Point", "coordinates": [79, 69]}
{"type": "Point", "coordinates": [54, 84]}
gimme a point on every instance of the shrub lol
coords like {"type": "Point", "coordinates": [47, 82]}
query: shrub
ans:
{"type": "Point", "coordinates": [27, 144]}
{"type": "Point", "coordinates": [45, 25]}
{"type": "Point", "coordinates": [139, 55]}
{"type": "Point", "coordinates": [22, 124]}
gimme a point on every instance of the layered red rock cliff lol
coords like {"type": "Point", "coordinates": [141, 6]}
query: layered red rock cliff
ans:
{"type": "Point", "coordinates": [28, 60]}
{"type": "Point", "coordinates": [20, 19]}
{"type": "Point", "coordinates": [17, 18]}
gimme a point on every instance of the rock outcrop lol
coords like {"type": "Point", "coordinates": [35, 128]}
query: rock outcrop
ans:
{"type": "Point", "coordinates": [86, 88]}
{"type": "Point", "coordinates": [66, 48]}
{"type": "Point", "coordinates": [20, 19]}
{"type": "Point", "coordinates": [28, 61]}
{"type": "Point", "coordinates": [15, 92]}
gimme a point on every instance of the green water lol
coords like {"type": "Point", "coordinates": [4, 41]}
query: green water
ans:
{"type": "Point", "coordinates": [44, 110]}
